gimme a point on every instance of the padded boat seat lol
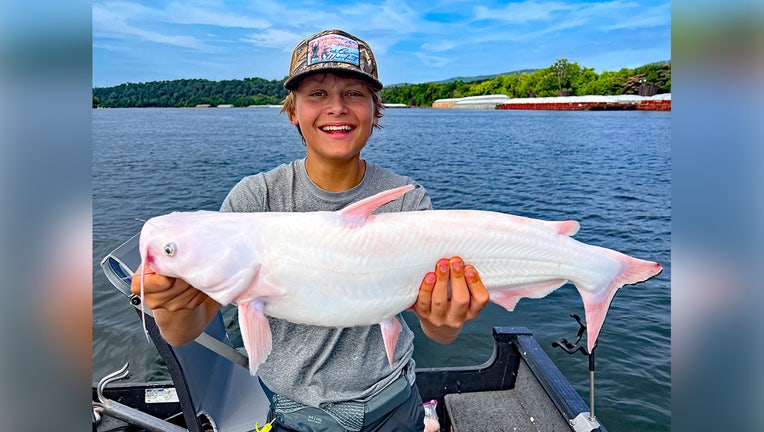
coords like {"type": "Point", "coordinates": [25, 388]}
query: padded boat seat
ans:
{"type": "Point", "coordinates": [213, 390]}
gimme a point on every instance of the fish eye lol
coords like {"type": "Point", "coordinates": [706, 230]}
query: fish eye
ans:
{"type": "Point", "coordinates": [169, 249]}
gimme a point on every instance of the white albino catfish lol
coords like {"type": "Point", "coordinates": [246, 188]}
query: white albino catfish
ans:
{"type": "Point", "coordinates": [351, 268]}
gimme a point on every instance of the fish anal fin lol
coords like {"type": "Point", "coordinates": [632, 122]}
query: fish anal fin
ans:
{"type": "Point", "coordinates": [255, 332]}
{"type": "Point", "coordinates": [391, 328]}
{"type": "Point", "coordinates": [509, 296]}
{"type": "Point", "coordinates": [357, 213]}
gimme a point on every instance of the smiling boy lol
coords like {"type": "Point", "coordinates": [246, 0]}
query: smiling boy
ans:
{"type": "Point", "coordinates": [319, 378]}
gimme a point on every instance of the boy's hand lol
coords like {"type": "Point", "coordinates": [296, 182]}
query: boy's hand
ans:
{"type": "Point", "coordinates": [181, 311]}
{"type": "Point", "coordinates": [162, 292]}
{"type": "Point", "coordinates": [442, 313]}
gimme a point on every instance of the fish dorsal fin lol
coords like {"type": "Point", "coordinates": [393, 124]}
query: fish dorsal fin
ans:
{"type": "Point", "coordinates": [357, 213]}
{"type": "Point", "coordinates": [567, 228]}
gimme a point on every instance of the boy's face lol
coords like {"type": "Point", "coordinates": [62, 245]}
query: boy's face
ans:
{"type": "Point", "coordinates": [335, 115]}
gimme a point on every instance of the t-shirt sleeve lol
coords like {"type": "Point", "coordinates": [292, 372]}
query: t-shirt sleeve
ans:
{"type": "Point", "coordinates": [249, 195]}
{"type": "Point", "coordinates": [417, 199]}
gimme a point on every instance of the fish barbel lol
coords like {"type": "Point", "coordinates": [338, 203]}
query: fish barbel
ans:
{"type": "Point", "coordinates": [351, 268]}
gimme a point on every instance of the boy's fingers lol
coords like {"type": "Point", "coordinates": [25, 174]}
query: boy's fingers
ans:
{"type": "Point", "coordinates": [424, 298]}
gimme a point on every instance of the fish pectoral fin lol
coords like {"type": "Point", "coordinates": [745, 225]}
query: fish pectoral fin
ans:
{"type": "Point", "coordinates": [509, 296]}
{"type": "Point", "coordinates": [255, 332]}
{"type": "Point", "coordinates": [391, 328]}
{"type": "Point", "coordinates": [357, 213]}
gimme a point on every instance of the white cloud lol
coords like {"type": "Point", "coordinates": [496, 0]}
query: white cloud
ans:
{"type": "Point", "coordinates": [432, 61]}
{"type": "Point", "coordinates": [612, 15]}
{"type": "Point", "coordinates": [523, 12]}
{"type": "Point", "coordinates": [439, 46]}
{"type": "Point", "coordinates": [395, 16]}
{"type": "Point", "coordinates": [171, 24]}
{"type": "Point", "coordinates": [272, 38]}
{"type": "Point", "coordinates": [183, 13]}
{"type": "Point", "coordinates": [645, 17]}
{"type": "Point", "coordinates": [108, 22]}
{"type": "Point", "coordinates": [124, 10]}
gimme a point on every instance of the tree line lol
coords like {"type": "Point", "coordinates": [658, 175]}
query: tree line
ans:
{"type": "Point", "coordinates": [191, 92]}
{"type": "Point", "coordinates": [561, 78]}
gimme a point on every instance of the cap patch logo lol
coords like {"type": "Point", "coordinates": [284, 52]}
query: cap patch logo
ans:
{"type": "Point", "coordinates": [333, 48]}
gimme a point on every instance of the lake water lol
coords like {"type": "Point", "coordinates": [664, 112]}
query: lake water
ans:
{"type": "Point", "coordinates": [611, 171]}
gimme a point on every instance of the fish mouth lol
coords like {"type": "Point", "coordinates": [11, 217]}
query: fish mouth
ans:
{"type": "Point", "coordinates": [149, 259]}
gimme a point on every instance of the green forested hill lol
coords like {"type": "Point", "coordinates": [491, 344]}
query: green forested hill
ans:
{"type": "Point", "coordinates": [560, 78]}
{"type": "Point", "coordinates": [191, 92]}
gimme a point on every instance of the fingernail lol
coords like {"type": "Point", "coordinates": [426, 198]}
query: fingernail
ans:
{"type": "Point", "coordinates": [457, 265]}
{"type": "Point", "coordinates": [443, 266]}
{"type": "Point", "coordinates": [469, 272]}
{"type": "Point", "coordinates": [430, 278]}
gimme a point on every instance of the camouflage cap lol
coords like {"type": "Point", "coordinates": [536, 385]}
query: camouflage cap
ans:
{"type": "Point", "coordinates": [332, 50]}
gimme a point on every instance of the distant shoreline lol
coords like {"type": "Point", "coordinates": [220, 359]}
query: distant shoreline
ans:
{"type": "Point", "coordinates": [661, 102]}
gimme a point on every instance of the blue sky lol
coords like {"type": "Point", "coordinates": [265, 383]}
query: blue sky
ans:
{"type": "Point", "coordinates": [414, 42]}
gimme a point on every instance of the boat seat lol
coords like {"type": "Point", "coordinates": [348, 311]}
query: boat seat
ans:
{"type": "Point", "coordinates": [214, 390]}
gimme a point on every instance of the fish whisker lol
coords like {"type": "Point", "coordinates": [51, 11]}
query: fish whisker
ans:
{"type": "Point", "coordinates": [143, 303]}
{"type": "Point", "coordinates": [129, 278]}
{"type": "Point", "coordinates": [145, 221]}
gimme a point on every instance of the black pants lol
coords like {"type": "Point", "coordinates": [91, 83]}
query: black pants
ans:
{"type": "Point", "coordinates": [406, 417]}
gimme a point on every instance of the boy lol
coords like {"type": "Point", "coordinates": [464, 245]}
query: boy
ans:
{"type": "Point", "coordinates": [319, 378]}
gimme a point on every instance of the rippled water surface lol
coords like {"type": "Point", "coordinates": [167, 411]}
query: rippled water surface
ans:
{"type": "Point", "coordinates": [608, 170]}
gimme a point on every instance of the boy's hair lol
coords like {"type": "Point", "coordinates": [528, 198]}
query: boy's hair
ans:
{"type": "Point", "coordinates": [289, 105]}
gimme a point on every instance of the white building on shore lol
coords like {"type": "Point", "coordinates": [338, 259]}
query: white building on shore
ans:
{"type": "Point", "coordinates": [472, 102]}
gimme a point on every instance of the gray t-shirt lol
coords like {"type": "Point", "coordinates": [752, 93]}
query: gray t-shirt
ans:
{"type": "Point", "coordinates": [318, 365]}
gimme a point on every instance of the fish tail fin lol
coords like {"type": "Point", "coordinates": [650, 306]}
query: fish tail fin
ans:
{"type": "Point", "coordinates": [597, 302]}
{"type": "Point", "coordinates": [391, 328]}
{"type": "Point", "coordinates": [255, 332]}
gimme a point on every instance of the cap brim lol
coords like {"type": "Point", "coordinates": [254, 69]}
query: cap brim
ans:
{"type": "Point", "coordinates": [292, 82]}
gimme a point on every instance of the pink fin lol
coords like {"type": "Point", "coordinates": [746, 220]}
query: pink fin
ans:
{"type": "Point", "coordinates": [597, 303]}
{"type": "Point", "coordinates": [509, 296]}
{"type": "Point", "coordinates": [255, 332]}
{"type": "Point", "coordinates": [568, 227]}
{"type": "Point", "coordinates": [391, 328]}
{"type": "Point", "coordinates": [565, 227]}
{"type": "Point", "coordinates": [357, 213]}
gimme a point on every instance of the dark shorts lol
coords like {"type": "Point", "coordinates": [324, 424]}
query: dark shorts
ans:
{"type": "Point", "coordinates": [406, 417]}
